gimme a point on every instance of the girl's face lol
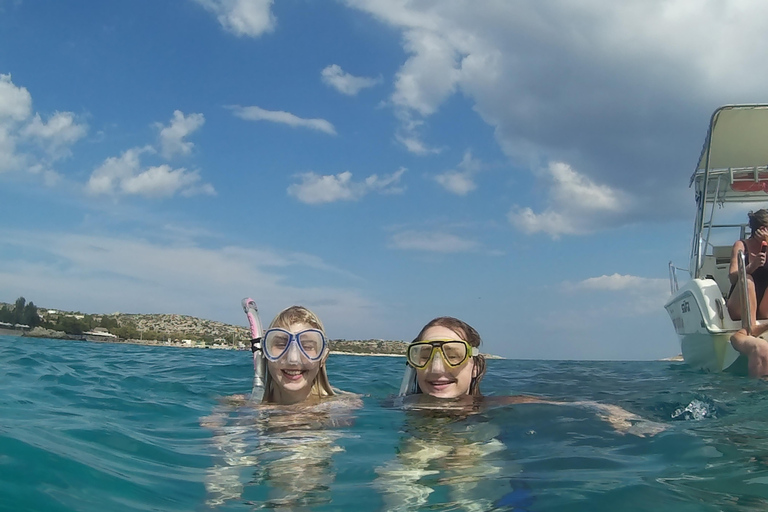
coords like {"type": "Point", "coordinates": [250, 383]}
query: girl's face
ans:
{"type": "Point", "coordinates": [437, 378]}
{"type": "Point", "coordinates": [293, 374]}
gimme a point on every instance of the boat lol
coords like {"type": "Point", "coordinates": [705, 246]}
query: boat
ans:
{"type": "Point", "coordinates": [100, 334]}
{"type": "Point", "coordinates": [730, 179]}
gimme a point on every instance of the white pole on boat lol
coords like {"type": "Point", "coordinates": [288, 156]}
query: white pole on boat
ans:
{"type": "Point", "coordinates": [746, 314]}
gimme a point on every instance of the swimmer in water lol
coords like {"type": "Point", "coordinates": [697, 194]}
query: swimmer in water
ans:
{"type": "Point", "coordinates": [283, 437]}
{"type": "Point", "coordinates": [444, 362]}
{"type": "Point", "coordinates": [445, 442]}
{"type": "Point", "coordinates": [295, 349]}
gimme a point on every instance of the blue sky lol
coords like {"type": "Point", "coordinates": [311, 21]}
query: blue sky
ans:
{"type": "Point", "coordinates": [521, 165]}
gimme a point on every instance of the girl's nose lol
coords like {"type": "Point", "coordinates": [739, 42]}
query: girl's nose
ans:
{"type": "Point", "coordinates": [293, 355]}
{"type": "Point", "coordinates": [437, 365]}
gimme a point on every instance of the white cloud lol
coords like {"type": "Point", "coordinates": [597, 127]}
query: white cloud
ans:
{"type": "Point", "coordinates": [432, 242]}
{"type": "Point", "coordinates": [576, 205]}
{"type": "Point", "coordinates": [21, 138]}
{"type": "Point", "coordinates": [108, 273]}
{"type": "Point", "coordinates": [460, 182]}
{"type": "Point", "coordinates": [319, 189]}
{"type": "Point", "coordinates": [620, 282]}
{"type": "Point", "coordinates": [250, 18]}
{"type": "Point", "coordinates": [15, 102]}
{"type": "Point", "coordinates": [345, 83]}
{"type": "Point", "coordinates": [605, 87]}
{"type": "Point", "coordinates": [430, 74]}
{"type": "Point", "coordinates": [254, 113]}
{"type": "Point", "coordinates": [60, 132]}
{"type": "Point", "coordinates": [641, 295]}
{"type": "Point", "coordinates": [414, 144]}
{"type": "Point", "coordinates": [409, 133]}
{"type": "Point", "coordinates": [124, 175]}
{"type": "Point", "coordinates": [456, 182]}
{"type": "Point", "coordinates": [172, 136]}
{"type": "Point", "coordinates": [9, 159]}
{"type": "Point", "coordinates": [160, 181]}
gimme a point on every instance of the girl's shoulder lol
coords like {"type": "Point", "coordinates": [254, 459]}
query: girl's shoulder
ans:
{"type": "Point", "coordinates": [344, 399]}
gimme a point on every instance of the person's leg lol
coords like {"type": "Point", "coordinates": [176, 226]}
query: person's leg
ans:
{"type": "Point", "coordinates": [756, 350]}
{"type": "Point", "coordinates": [734, 303]}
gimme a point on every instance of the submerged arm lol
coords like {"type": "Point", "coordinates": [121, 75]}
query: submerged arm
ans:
{"type": "Point", "coordinates": [620, 419]}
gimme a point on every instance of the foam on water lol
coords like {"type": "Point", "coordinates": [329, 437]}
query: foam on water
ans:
{"type": "Point", "coordinates": [697, 410]}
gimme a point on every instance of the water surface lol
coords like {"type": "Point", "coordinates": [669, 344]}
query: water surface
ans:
{"type": "Point", "coordinates": [92, 427]}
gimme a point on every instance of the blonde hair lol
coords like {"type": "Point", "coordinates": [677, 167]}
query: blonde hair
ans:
{"type": "Point", "coordinates": [284, 320]}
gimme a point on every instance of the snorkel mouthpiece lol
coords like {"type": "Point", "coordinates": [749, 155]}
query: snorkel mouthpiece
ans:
{"type": "Point", "coordinates": [259, 363]}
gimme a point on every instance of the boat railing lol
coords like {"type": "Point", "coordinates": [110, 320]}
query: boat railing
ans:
{"type": "Point", "coordinates": [732, 184]}
{"type": "Point", "coordinates": [751, 173]}
{"type": "Point", "coordinates": [673, 284]}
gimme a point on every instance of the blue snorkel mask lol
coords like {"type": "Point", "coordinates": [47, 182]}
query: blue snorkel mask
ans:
{"type": "Point", "coordinates": [277, 343]}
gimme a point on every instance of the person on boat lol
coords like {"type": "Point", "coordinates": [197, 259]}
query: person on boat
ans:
{"type": "Point", "coordinates": [757, 273]}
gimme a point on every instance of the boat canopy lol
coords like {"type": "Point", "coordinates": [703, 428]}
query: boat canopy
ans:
{"type": "Point", "coordinates": [733, 166]}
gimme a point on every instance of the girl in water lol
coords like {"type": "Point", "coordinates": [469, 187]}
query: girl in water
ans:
{"type": "Point", "coordinates": [282, 437]}
{"type": "Point", "coordinates": [444, 361]}
{"type": "Point", "coordinates": [446, 443]}
{"type": "Point", "coordinates": [295, 350]}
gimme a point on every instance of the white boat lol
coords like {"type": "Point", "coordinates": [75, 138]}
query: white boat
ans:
{"type": "Point", "coordinates": [100, 334]}
{"type": "Point", "coordinates": [731, 172]}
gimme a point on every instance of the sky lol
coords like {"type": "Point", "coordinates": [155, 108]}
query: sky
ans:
{"type": "Point", "coordinates": [522, 166]}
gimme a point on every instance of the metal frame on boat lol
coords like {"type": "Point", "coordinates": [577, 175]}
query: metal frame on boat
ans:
{"type": "Point", "coordinates": [731, 169]}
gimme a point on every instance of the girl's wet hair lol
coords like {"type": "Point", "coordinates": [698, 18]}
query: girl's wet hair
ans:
{"type": "Point", "coordinates": [296, 315]}
{"type": "Point", "coordinates": [758, 219]}
{"type": "Point", "coordinates": [467, 333]}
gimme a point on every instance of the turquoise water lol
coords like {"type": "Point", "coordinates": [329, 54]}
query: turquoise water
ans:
{"type": "Point", "coordinates": [94, 427]}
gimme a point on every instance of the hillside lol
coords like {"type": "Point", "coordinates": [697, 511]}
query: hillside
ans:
{"type": "Point", "coordinates": [183, 330]}
{"type": "Point", "coordinates": [177, 329]}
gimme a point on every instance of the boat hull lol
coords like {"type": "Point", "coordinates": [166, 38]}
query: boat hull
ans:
{"type": "Point", "coordinates": [703, 326]}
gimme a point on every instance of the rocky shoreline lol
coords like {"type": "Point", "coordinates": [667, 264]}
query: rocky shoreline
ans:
{"type": "Point", "coordinates": [39, 332]}
{"type": "Point", "coordinates": [339, 347]}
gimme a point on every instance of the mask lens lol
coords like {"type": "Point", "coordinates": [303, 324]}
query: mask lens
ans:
{"type": "Point", "coordinates": [275, 343]}
{"type": "Point", "coordinates": [455, 352]}
{"type": "Point", "coordinates": [418, 354]}
{"type": "Point", "coordinates": [312, 343]}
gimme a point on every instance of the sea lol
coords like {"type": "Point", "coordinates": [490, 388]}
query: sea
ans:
{"type": "Point", "coordinates": [117, 427]}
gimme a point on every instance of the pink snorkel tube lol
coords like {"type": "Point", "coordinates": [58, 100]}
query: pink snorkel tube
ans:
{"type": "Point", "coordinates": [259, 363]}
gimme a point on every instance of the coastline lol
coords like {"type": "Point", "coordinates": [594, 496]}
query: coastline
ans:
{"type": "Point", "coordinates": [58, 335]}
{"type": "Point", "coordinates": [151, 343]}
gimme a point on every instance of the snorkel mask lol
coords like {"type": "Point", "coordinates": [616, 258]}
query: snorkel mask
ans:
{"type": "Point", "coordinates": [420, 354]}
{"type": "Point", "coordinates": [279, 344]}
